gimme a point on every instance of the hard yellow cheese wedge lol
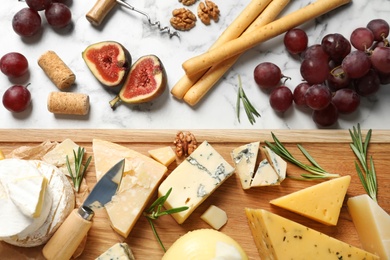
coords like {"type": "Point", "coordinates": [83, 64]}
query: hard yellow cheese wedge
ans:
{"type": "Point", "coordinates": [141, 178]}
{"type": "Point", "coordinates": [321, 202]}
{"type": "Point", "coordinates": [164, 155]}
{"type": "Point", "coordinates": [280, 238]}
{"type": "Point", "coordinates": [372, 224]}
{"type": "Point", "coordinates": [196, 178]}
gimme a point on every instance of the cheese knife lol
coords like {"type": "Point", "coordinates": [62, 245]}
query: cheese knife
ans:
{"type": "Point", "coordinates": [69, 235]}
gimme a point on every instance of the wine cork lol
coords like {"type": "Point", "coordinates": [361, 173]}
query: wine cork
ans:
{"type": "Point", "coordinates": [57, 71]}
{"type": "Point", "coordinates": [68, 103]}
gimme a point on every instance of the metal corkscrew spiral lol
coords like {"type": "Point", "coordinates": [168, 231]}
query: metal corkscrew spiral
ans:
{"type": "Point", "coordinates": [157, 23]}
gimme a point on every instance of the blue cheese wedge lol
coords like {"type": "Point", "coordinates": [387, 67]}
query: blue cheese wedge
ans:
{"type": "Point", "coordinates": [265, 175]}
{"type": "Point", "coordinates": [244, 158]}
{"type": "Point", "coordinates": [196, 178]}
{"type": "Point", "coordinates": [119, 251]}
{"type": "Point", "coordinates": [279, 165]}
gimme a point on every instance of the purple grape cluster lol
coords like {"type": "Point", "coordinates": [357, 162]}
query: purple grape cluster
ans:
{"type": "Point", "coordinates": [336, 72]}
{"type": "Point", "coordinates": [27, 22]}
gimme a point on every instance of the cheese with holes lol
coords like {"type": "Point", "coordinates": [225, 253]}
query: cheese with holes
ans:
{"type": "Point", "coordinates": [119, 251]}
{"type": "Point", "coordinates": [215, 217]}
{"type": "Point", "coordinates": [244, 158]}
{"type": "Point", "coordinates": [164, 155]}
{"type": "Point", "coordinates": [279, 165]}
{"type": "Point", "coordinates": [279, 238]}
{"type": "Point", "coordinates": [321, 202]}
{"type": "Point", "coordinates": [265, 175]}
{"type": "Point", "coordinates": [372, 224]}
{"type": "Point", "coordinates": [196, 178]}
{"type": "Point", "coordinates": [62, 203]}
{"type": "Point", "coordinates": [141, 177]}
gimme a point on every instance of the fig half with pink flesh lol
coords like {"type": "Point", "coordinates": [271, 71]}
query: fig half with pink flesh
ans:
{"type": "Point", "coordinates": [108, 61]}
{"type": "Point", "coordinates": [146, 81]}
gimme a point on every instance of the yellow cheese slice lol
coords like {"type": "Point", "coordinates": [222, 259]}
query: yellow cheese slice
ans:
{"type": "Point", "coordinates": [321, 202]}
{"type": "Point", "coordinates": [141, 177]}
{"type": "Point", "coordinates": [282, 239]}
{"type": "Point", "coordinates": [164, 155]}
{"type": "Point", "coordinates": [372, 224]}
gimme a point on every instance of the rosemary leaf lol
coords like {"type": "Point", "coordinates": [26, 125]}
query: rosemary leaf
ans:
{"type": "Point", "coordinates": [80, 169]}
{"type": "Point", "coordinates": [250, 110]}
{"type": "Point", "coordinates": [317, 172]}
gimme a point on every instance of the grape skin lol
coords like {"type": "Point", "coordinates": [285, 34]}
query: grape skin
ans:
{"type": "Point", "coordinates": [281, 99]}
{"type": "Point", "coordinates": [299, 94]}
{"type": "Point", "coordinates": [326, 117]}
{"type": "Point", "coordinates": [318, 96]}
{"type": "Point", "coordinates": [267, 75]}
{"type": "Point", "coordinates": [379, 28]}
{"type": "Point", "coordinates": [380, 59]}
{"type": "Point", "coordinates": [14, 64]}
{"type": "Point", "coordinates": [346, 100]}
{"type": "Point", "coordinates": [295, 40]}
{"type": "Point", "coordinates": [58, 15]}
{"type": "Point", "coordinates": [17, 98]}
{"type": "Point", "coordinates": [314, 71]}
{"type": "Point", "coordinates": [336, 46]}
{"type": "Point", "coordinates": [356, 64]}
{"type": "Point", "coordinates": [362, 38]}
{"type": "Point", "coordinates": [26, 22]}
{"type": "Point", "coordinates": [38, 5]}
{"type": "Point", "coordinates": [368, 84]}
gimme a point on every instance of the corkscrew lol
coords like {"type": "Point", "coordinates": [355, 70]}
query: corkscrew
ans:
{"type": "Point", "coordinates": [102, 7]}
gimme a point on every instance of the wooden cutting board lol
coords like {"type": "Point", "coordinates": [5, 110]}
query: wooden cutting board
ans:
{"type": "Point", "coordinates": [330, 148]}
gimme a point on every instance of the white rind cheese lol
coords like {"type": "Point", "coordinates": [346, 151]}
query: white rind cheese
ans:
{"type": "Point", "coordinates": [63, 202]}
{"type": "Point", "coordinates": [372, 224]}
{"type": "Point", "coordinates": [196, 178]}
{"type": "Point", "coordinates": [119, 251]}
{"type": "Point", "coordinates": [244, 158]}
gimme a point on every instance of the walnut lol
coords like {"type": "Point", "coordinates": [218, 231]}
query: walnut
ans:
{"type": "Point", "coordinates": [207, 11]}
{"type": "Point", "coordinates": [187, 2]}
{"type": "Point", "coordinates": [183, 19]}
{"type": "Point", "coordinates": [185, 143]}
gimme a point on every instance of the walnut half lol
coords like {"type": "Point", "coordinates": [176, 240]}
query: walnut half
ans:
{"type": "Point", "coordinates": [207, 11]}
{"type": "Point", "coordinates": [187, 2]}
{"type": "Point", "coordinates": [183, 19]}
{"type": "Point", "coordinates": [185, 143]}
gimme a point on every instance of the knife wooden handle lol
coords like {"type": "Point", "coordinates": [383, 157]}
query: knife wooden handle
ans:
{"type": "Point", "coordinates": [67, 238]}
{"type": "Point", "coordinates": [101, 8]}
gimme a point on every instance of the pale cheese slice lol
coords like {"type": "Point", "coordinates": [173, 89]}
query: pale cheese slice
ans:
{"type": "Point", "coordinates": [321, 202]}
{"type": "Point", "coordinates": [215, 217]}
{"type": "Point", "coordinates": [141, 178]}
{"type": "Point", "coordinates": [194, 180]}
{"type": "Point", "coordinates": [372, 224]}
{"type": "Point", "coordinates": [244, 158]}
{"type": "Point", "coordinates": [119, 251]}
{"type": "Point", "coordinates": [164, 155]}
{"type": "Point", "coordinates": [265, 175]}
{"type": "Point", "coordinates": [277, 162]}
{"type": "Point", "coordinates": [280, 238]}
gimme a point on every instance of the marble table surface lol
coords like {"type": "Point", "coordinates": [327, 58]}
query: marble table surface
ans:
{"type": "Point", "coordinates": [217, 108]}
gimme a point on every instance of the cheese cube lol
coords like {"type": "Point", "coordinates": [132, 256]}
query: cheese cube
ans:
{"type": "Point", "coordinates": [196, 178]}
{"type": "Point", "coordinates": [164, 155]}
{"type": "Point", "coordinates": [215, 217]}
{"type": "Point", "coordinates": [321, 202]}
{"type": "Point", "coordinates": [244, 159]}
{"type": "Point", "coordinates": [372, 224]}
{"type": "Point", "coordinates": [280, 238]}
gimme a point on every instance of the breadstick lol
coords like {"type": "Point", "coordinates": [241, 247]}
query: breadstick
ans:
{"type": "Point", "coordinates": [207, 81]}
{"type": "Point", "coordinates": [234, 30]}
{"type": "Point", "coordinates": [273, 29]}
{"type": "Point", "coordinates": [68, 103]}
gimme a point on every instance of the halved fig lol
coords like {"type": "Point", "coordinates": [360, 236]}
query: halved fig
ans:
{"type": "Point", "coordinates": [146, 81]}
{"type": "Point", "coordinates": [108, 61]}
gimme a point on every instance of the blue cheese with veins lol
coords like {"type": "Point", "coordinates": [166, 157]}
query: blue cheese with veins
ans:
{"type": "Point", "coordinates": [265, 175]}
{"type": "Point", "coordinates": [279, 165]}
{"type": "Point", "coordinates": [196, 178]}
{"type": "Point", "coordinates": [119, 251]}
{"type": "Point", "coordinates": [244, 158]}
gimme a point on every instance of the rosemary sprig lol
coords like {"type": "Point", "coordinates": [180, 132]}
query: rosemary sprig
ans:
{"type": "Point", "coordinates": [317, 172]}
{"type": "Point", "coordinates": [366, 171]}
{"type": "Point", "coordinates": [80, 169]}
{"type": "Point", "coordinates": [250, 110]}
{"type": "Point", "coordinates": [155, 211]}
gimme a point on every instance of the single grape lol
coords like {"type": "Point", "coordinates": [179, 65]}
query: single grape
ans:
{"type": "Point", "coordinates": [26, 22]}
{"type": "Point", "coordinates": [299, 94]}
{"type": "Point", "coordinates": [314, 71]}
{"type": "Point", "coordinates": [338, 79]}
{"type": "Point", "coordinates": [58, 15]}
{"type": "Point", "coordinates": [356, 64]}
{"type": "Point", "coordinates": [336, 46]}
{"type": "Point", "coordinates": [368, 84]}
{"type": "Point", "coordinates": [384, 78]}
{"type": "Point", "coordinates": [346, 100]}
{"type": "Point", "coordinates": [380, 59]}
{"type": "Point", "coordinates": [318, 96]}
{"type": "Point", "coordinates": [295, 40]}
{"type": "Point", "coordinates": [14, 64]}
{"type": "Point", "coordinates": [38, 5]}
{"type": "Point", "coordinates": [362, 38]}
{"type": "Point", "coordinates": [379, 28]}
{"type": "Point", "coordinates": [267, 75]}
{"type": "Point", "coordinates": [326, 117]}
{"type": "Point", "coordinates": [315, 52]}
{"type": "Point", "coordinates": [281, 99]}
{"type": "Point", "coordinates": [17, 98]}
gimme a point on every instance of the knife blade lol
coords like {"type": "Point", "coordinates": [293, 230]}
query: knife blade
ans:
{"type": "Point", "coordinates": [69, 235]}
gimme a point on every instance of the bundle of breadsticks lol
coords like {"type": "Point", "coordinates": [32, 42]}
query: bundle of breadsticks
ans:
{"type": "Point", "coordinates": [255, 24]}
